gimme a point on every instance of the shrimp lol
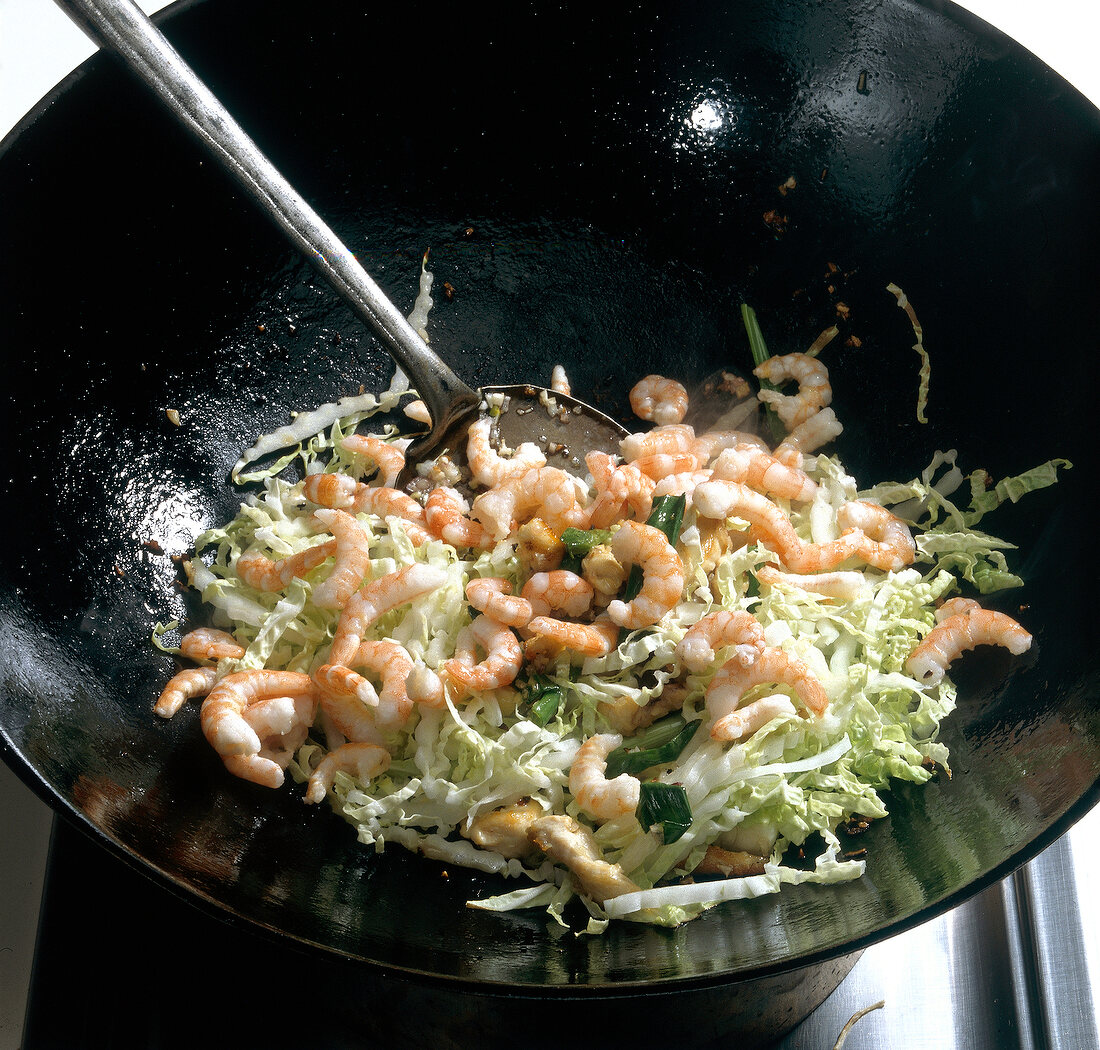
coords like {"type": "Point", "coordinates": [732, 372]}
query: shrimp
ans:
{"type": "Point", "coordinates": [566, 842]}
{"type": "Point", "coordinates": [559, 381]}
{"type": "Point", "coordinates": [773, 665]}
{"type": "Point", "coordinates": [761, 470]}
{"type": "Point", "coordinates": [208, 643]}
{"type": "Point", "coordinates": [446, 516]}
{"type": "Point", "coordinates": [377, 598]}
{"type": "Point", "coordinates": [714, 442]}
{"type": "Point", "coordinates": [340, 492]}
{"type": "Point", "coordinates": [387, 457]}
{"type": "Point", "coordinates": [346, 718]}
{"type": "Point", "coordinates": [488, 467]}
{"type": "Point", "coordinates": [256, 570]}
{"type": "Point", "coordinates": [559, 590]}
{"type": "Point", "coordinates": [362, 761]}
{"type": "Point", "coordinates": [392, 662]}
{"type": "Point", "coordinates": [227, 730]}
{"type": "Point", "coordinates": [550, 637]}
{"type": "Point", "coordinates": [544, 492]}
{"type": "Point", "coordinates": [844, 584]}
{"type": "Point", "coordinates": [282, 724]}
{"type": "Point", "coordinates": [352, 560]}
{"type": "Point", "coordinates": [503, 657]}
{"type": "Point", "coordinates": [965, 626]}
{"type": "Point", "coordinates": [599, 797]}
{"type": "Point", "coordinates": [821, 428]}
{"type": "Point", "coordinates": [814, 389]}
{"type": "Point", "coordinates": [493, 596]}
{"type": "Point", "coordinates": [682, 484]}
{"type": "Point", "coordinates": [662, 579]}
{"type": "Point", "coordinates": [659, 400]}
{"type": "Point", "coordinates": [671, 438]}
{"type": "Point", "coordinates": [770, 525]}
{"type": "Point", "coordinates": [717, 630]}
{"type": "Point", "coordinates": [888, 543]}
{"type": "Point", "coordinates": [659, 465]}
{"type": "Point", "coordinates": [618, 487]}
{"type": "Point", "coordinates": [181, 687]}
{"type": "Point", "coordinates": [745, 721]}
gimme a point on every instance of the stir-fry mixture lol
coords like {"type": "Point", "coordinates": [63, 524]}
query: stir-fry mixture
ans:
{"type": "Point", "coordinates": [650, 680]}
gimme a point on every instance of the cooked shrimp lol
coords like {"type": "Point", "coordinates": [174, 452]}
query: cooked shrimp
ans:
{"type": "Point", "coordinates": [771, 526]}
{"type": "Point", "coordinates": [681, 484]}
{"type": "Point", "coordinates": [585, 639]}
{"type": "Point", "coordinates": [618, 487]}
{"type": "Point", "coordinates": [543, 492]}
{"type": "Point", "coordinates": [844, 584]}
{"type": "Point", "coordinates": [659, 400]}
{"type": "Point", "coordinates": [559, 590]}
{"type": "Point", "coordinates": [352, 560]}
{"type": "Point", "coordinates": [887, 544]}
{"type": "Point", "coordinates": [488, 466]}
{"type": "Point", "coordinates": [340, 492]}
{"type": "Point", "coordinates": [566, 842]}
{"type": "Point", "coordinates": [446, 516]}
{"type": "Point", "coordinates": [227, 730]}
{"type": "Point", "coordinates": [662, 575]}
{"type": "Point", "coordinates": [745, 721]}
{"type": "Point", "coordinates": [714, 442]}
{"type": "Point", "coordinates": [350, 718]}
{"type": "Point", "coordinates": [660, 465]}
{"type": "Point", "coordinates": [814, 389]}
{"type": "Point", "coordinates": [559, 381]}
{"type": "Point", "coordinates": [821, 428]}
{"type": "Point", "coordinates": [671, 438]}
{"type": "Point", "coordinates": [493, 596]}
{"type": "Point", "coordinates": [208, 643]}
{"type": "Point", "coordinates": [377, 598]}
{"type": "Point", "coordinates": [599, 797]}
{"type": "Point", "coordinates": [362, 761]}
{"type": "Point", "coordinates": [504, 830]}
{"type": "Point", "coordinates": [773, 665]}
{"type": "Point", "coordinates": [392, 662]}
{"type": "Point", "coordinates": [387, 457]}
{"type": "Point", "coordinates": [184, 686]}
{"type": "Point", "coordinates": [760, 470]}
{"type": "Point", "coordinates": [257, 570]}
{"type": "Point", "coordinates": [965, 627]}
{"type": "Point", "coordinates": [500, 665]}
{"type": "Point", "coordinates": [282, 723]}
{"type": "Point", "coordinates": [424, 686]}
{"type": "Point", "coordinates": [716, 630]}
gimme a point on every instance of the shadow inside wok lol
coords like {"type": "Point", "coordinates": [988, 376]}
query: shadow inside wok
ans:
{"type": "Point", "coordinates": [598, 189]}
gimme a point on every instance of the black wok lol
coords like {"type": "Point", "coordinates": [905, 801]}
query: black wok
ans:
{"type": "Point", "coordinates": [599, 186]}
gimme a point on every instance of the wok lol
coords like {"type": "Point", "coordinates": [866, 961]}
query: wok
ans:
{"type": "Point", "coordinates": [598, 187]}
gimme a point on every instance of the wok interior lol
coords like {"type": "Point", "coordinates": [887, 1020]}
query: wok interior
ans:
{"type": "Point", "coordinates": [599, 190]}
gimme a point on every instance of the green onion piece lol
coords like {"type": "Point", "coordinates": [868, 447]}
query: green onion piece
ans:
{"type": "Point", "coordinates": [667, 805]}
{"type": "Point", "coordinates": [760, 354]}
{"type": "Point", "coordinates": [667, 515]}
{"type": "Point", "coordinates": [636, 759]}
{"type": "Point", "coordinates": [581, 541]}
{"type": "Point", "coordinates": [543, 699]}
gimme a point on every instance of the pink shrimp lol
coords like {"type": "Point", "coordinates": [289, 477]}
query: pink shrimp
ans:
{"type": "Point", "coordinates": [585, 639]}
{"type": "Point", "coordinates": [659, 400]}
{"type": "Point", "coordinates": [844, 584]}
{"type": "Point", "coordinates": [184, 686]}
{"type": "Point", "coordinates": [208, 643]}
{"type": "Point", "coordinates": [340, 492]}
{"type": "Point", "coordinates": [714, 442]}
{"type": "Point", "coordinates": [228, 731]}
{"type": "Point", "coordinates": [544, 492]}
{"type": "Point", "coordinates": [346, 718]}
{"type": "Point", "coordinates": [387, 457]}
{"type": "Point", "coordinates": [744, 721]}
{"type": "Point", "coordinates": [362, 761]}
{"type": "Point", "coordinates": [499, 667]}
{"type": "Point", "coordinates": [814, 389]}
{"type": "Point", "coordinates": [487, 465]}
{"type": "Point", "coordinates": [662, 579]}
{"type": "Point", "coordinates": [257, 570]}
{"type": "Point", "coordinates": [771, 526]}
{"type": "Point", "coordinates": [671, 438]}
{"type": "Point", "coordinates": [719, 629]}
{"type": "Point", "coordinates": [888, 543]}
{"type": "Point", "coordinates": [966, 626]}
{"type": "Point", "coordinates": [618, 487]}
{"type": "Point", "coordinates": [282, 723]}
{"type": "Point", "coordinates": [446, 516]}
{"type": "Point", "coordinates": [352, 560]}
{"type": "Point", "coordinates": [599, 797]}
{"type": "Point", "coordinates": [377, 598]}
{"type": "Point", "coordinates": [821, 428]}
{"type": "Point", "coordinates": [760, 470]}
{"type": "Point", "coordinates": [493, 596]}
{"type": "Point", "coordinates": [660, 465]}
{"type": "Point", "coordinates": [773, 665]}
{"type": "Point", "coordinates": [392, 662]}
{"type": "Point", "coordinates": [558, 590]}
{"type": "Point", "coordinates": [681, 484]}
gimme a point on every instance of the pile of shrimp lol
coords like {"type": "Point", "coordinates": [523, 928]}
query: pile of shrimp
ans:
{"type": "Point", "coordinates": [349, 716]}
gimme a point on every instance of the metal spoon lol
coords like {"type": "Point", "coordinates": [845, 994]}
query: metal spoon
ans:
{"type": "Point", "coordinates": [120, 25]}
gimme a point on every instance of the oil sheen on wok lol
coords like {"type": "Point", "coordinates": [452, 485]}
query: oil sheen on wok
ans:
{"type": "Point", "coordinates": [644, 681]}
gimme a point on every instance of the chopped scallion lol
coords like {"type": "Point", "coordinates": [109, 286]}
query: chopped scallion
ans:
{"type": "Point", "coordinates": [667, 805]}
{"type": "Point", "coordinates": [636, 758]}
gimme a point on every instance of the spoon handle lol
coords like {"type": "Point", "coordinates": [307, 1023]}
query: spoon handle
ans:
{"type": "Point", "coordinates": [121, 26]}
